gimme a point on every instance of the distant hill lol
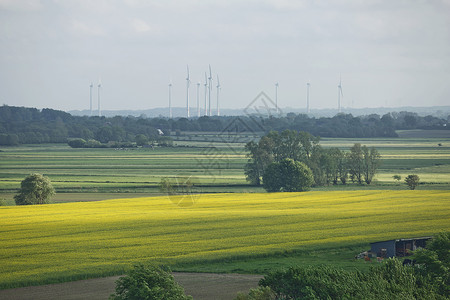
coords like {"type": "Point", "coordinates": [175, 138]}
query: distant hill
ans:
{"type": "Point", "coordinates": [436, 111]}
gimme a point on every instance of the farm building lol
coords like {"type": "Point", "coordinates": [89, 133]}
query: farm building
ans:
{"type": "Point", "coordinates": [399, 248]}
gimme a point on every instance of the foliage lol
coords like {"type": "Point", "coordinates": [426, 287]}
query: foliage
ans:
{"type": "Point", "coordinates": [287, 176]}
{"type": "Point", "coordinates": [34, 189]}
{"type": "Point", "coordinates": [391, 280]}
{"type": "Point", "coordinates": [30, 125]}
{"type": "Point", "coordinates": [397, 177]}
{"type": "Point", "coordinates": [92, 239]}
{"type": "Point", "coordinates": [371, 162]}
{"type": "Point", "coordinates": [77, 143]}
{"type": "Point", "coordinates": [260, 293]}
{"type": "Point", "coordinates": [356, 163]}
{"type": "Point", "coordinates": [412, 181]}
{"type": "Point", "coordinates": [434, 261]}
{"type": "Point", "coordinates": [141, 139]}
{"type": "Point", "coordinates": [9, 139]}
{"type": "Point", "coordinates": [148, 282]}
{"type": "Point", "coordinates": [327, 165]}
{"type": "Point", "coordinates": [275, 147]}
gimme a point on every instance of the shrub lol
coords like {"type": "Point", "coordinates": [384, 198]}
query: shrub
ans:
{"type": "Point", "coordinates": [34, 189]}
{"type": "Point", "coordinates": [390, 280]}
{"type": "Point", "coordinates": [148, 282]}
{"type": "Point", "coordinates": [288, 176]}
{"type": "Point", "coordinates": [77, 143]}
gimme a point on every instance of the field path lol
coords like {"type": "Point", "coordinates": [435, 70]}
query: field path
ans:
{"type": "Point", "coordinates": [202, 286]}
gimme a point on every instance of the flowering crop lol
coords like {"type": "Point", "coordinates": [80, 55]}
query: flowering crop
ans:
{"type": "Point", "coordinates": [56, 242]}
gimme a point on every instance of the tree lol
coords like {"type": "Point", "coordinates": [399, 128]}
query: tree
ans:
{"type": "Point", "coordinates": [148, 282]}
{"type": "Point", "coordinates": [287, 176]}
{"type": "Point", "coordinates": [371, 162]}
{"type": "Point", "coordinates": [389, 280]}
{"type": "Point", "coordinates": [436, 261]}
{"type": "Point", "coordinates": [260, 156]}
{"type": "Point", "coordinates": [34, 189]}
{"type": "Point", "coordinates": [141, 139]}
{"type": "Point", "coordinates": [355, 163]}
{"type": "Point", "coordinates": [397, 178]}
{"type": "Point", "coordinates": [412, 181]}
{"type": "Point", "coordinates": [272, 178]}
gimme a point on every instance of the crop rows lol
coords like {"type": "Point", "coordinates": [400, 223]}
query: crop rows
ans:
{"type": "Point", "coordinates": [69, 241]}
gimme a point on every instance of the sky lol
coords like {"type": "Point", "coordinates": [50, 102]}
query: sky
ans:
{"type": "Point", "coordinates": [387, 53]}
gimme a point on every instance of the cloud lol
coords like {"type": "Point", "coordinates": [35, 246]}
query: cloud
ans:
{"type": "Point", "coordinates": [140, 26]}
{"type": "Point", "coordinates": [20, 5]}
{"type": "Point", "coordinates": [82, 28]}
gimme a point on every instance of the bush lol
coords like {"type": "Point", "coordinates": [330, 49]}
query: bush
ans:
{"type": "Point", "coordinates": [34, 189]}
{"type": "Point", "coordinates": [148, 282]}
{"type": "Point", "coordinates": [390, 280]}
{"type": "Point", "coordinates": [77, 143]}
{"type": "Point", "coordinates": [287, 176]}
{"type": "Point", "coordinates": [261, 293]}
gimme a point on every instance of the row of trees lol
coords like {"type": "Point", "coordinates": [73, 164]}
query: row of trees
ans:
{"type": "Point", "coordinates": [20, 125]}
{"type": "Point", "coordinates": [268, 156]}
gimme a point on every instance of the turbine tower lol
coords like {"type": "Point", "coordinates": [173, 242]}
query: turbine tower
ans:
{"type": "Point", "coordinates": [308, 85]}
{"type": "Point", "coordinates": [98, 95]}
{"type": "Point", "coordinates": [276, 96]}
{"type": "Point", "coordinates": [206, 93]}
{"type": "Point", "coordinates": [90, 97]}
{"type": "Point", "coordinates": [218, 89]}
{"type": "Point", "coordinates": [198, 99]}
{"type": "Point", "coordinates": [340, 94]}
{"type": "Point", "coordinates": [188, 81]}
{"type": "Point", "coordinates": [209, 91]}
{"type": "Point", "coordinates": [170, 99]}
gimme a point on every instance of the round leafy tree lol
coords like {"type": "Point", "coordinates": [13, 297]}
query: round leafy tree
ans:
{"type": "Point", "coordinates": [148, 282]}
{"type": "Point", "coordinates": [34, 189]}
{"type": "Point", "coordinates": [287, 176]}
{"type": "Point", "coordinates": [412, 181]}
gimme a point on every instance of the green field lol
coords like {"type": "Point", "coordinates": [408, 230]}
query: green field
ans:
{"type": "Point", "coordinates": [238, 232]}
{"type": "Point", "coordinates": [216, 166]}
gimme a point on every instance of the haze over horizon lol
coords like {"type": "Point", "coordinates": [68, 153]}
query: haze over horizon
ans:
{"type": "Point", "coordinates": [388, 53]}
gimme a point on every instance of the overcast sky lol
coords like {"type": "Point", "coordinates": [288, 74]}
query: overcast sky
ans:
{"type": "Point", "coordinates": [389, 53]}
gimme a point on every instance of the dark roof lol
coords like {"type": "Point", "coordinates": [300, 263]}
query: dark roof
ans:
{"type": "Point", "coordinates": [402, 240]}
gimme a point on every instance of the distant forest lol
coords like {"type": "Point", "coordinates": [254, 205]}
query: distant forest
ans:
{"type": "Point", "coordinates": [20, 125]}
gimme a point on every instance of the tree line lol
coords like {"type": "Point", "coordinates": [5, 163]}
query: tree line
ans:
{"type": "Point", "coordinates": [276, 151]}
{"type": "Point", "coordinates": [21, 125]}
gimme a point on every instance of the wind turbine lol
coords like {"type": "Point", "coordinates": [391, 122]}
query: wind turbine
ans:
{"type": "Point", "coordinates": [307, 96]}
{"type": "Point", "coordinates": [206, 93]}
{"type": "Point", "coordinates": [188, 81]}
{"type": "Point", "coordinates": [340, 94]}
{"type": "Point", "coordinates": [90, 97]}
{"type": "Point", "coordinates": [209, 91]}
{"type": "Point", "coordinates": [170, 99]}
{"type": "Point", "coordinates": [218, 89]}
{"type": "Point", "coordinates": [198, 99]}
{"type": "Point", "coordinates": [98, 94]}
{"type": "Point", "coordinates": [276, 96]}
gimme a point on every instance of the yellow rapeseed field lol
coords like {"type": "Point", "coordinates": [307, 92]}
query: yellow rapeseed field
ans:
{"type": "Point", "coordinates": [70, 241]}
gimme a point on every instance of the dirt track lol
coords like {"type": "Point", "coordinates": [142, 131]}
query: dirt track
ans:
{"type": "Point", "coordinates": [201, 286]}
